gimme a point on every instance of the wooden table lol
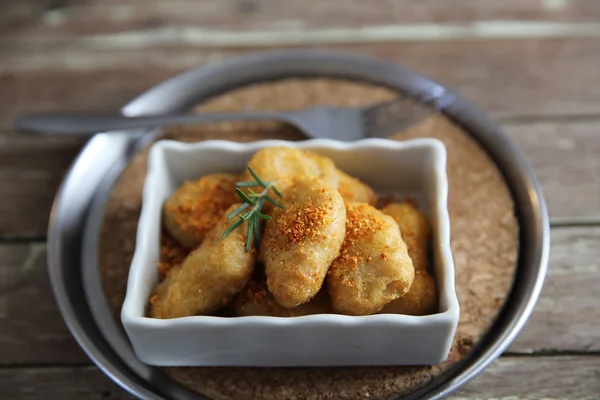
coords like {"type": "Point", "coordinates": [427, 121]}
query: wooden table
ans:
{"type": "Point", "coordinates": [539, 75]}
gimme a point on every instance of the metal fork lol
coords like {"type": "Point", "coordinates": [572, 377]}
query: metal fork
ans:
{"type": "Point", "coordinates": [344, 124]}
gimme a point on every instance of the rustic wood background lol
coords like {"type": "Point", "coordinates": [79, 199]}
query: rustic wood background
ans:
{"type": "Point", "coordinates": [532, 64]}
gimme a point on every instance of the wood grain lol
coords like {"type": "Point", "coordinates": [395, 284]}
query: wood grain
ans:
{"type": "Point", "coordinates": [65, 90]}
{"type": "Point", "coordinates": [548, 378]}
{"type": "Point", "coordinates": [574, 378]}
{"type": "Point", "coordinates": [78, 75]}
{"type": "Point", "coordinates": [31, 18]}
{"type": "Point", "coordinates": [566, 316]}
{"type": "Point", "coordinates": [33, 331]}
{"type": "Point", "coordinates": [37, 153]}
{"type": "Point", "coordinates": [26, 201]}
{"type": "Point", "coordinates": [76, 383]}
{"type": "Point", "coordinates": [565, 159]}
{"type": "Point", "coordinates": [31, 169]}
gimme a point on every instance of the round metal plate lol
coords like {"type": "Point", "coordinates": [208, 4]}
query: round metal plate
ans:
{"type": "Point", "coordinates": [79, 205]}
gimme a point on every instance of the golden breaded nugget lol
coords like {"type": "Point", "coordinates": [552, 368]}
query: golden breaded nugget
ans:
{"type": "Point", "coordinates": [421, 299]}
{"type": "Point", "coordinates": [415, 230]}
{"type": "Point", "coordinates": [373, 268]}
{"type": "Point", "coordinates": [301, 241]}
{"type": "Point", "coordinates": [210, 276]}
{"type": "Point", "coordinates": [257, 300]}
{"type": "Point", "coordinates": [355, 191]}
{"type": "Point", "coordinates": [196, 207]}
{"type": "Point", "coordinates": [279, 164]}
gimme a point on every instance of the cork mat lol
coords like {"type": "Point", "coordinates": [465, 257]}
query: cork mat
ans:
{"type": "Point", "coordinates": [484, 239]}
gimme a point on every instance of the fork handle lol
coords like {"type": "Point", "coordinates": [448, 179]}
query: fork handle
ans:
{"type": "Point", "coordinates": [88, 124]}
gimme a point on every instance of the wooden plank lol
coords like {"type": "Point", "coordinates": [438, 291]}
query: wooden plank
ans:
{"type": "Point", "coordinates": [77, 383]}
{"type": "Point", "coordinates": [533, 84]}
{"type": "Point", "coordinates": [518, 378]}
{"type": "Point", "coordinates": [564, 156]}
{"type": "Point", "coordinates": [532, 378]}
{"type": "Point", "coordinates": [87, 76]}
{"type": "Point", "coordinates": [32, 18]}
{"type": "Point", "coordinates": [566, 316]}
{"type": "Point", "coordinates": [27, 198]}
{"type": "Point", "coordinates": [66, 90]}
{"type": "Point", "coordinates": [37, 153]}
{"type": "Point", "coordinates": [32, 328]}
{"type": "Point", "coordinates": [31, 169]}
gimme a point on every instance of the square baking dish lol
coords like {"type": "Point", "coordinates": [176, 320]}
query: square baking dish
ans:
{"type": "Point", "coordinates": [416, 168]}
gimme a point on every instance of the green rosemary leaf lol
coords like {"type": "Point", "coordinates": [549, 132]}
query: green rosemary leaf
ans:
{"type": "Point", "coordinates": [247, 184]}
{"type": "Point", "coordinates": [250, 232]}
{"type": "Point", "coordinates": [276, 191]}
{"type": "Point", "coordinates": [238, 210]}
{"type": "Point", "coordinates": [258, 180]}
{"type": "Point", "coordinates": [254, 215]}
{"type": "Point", "coordinates": [272, 201]}
{"type": "Point", "coordinates": [256, 224]}
{"type": "Point", "coordinates": [259, 207]}
{"type": "Point", "coordinates": [232, 227]}
{"type": "Point", "coordinates": [245, 197]}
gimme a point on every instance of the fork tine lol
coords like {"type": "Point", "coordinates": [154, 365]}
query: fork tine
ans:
{"type": "Point", "coordinates": [385, 119]}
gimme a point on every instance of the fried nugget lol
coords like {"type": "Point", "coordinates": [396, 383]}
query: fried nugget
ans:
{"type": "Point", "coordinates": [415, 230]}
{"type": "Point", "coordinates": [279, 164]}
{"type": "Point", "coordinates": [301, 241]}
{"type": "Point", "coordinates": [210, 276]}
{"type": "Point", "coordinates": [355, 191]}
{"type": "Point", "coordinates": [421, 299]}
{"type": "Point", "coordinates": [196, 207]}
{"type": "Point", "coordinates": [373, 268]}
{"type": "Point", "coordinates": [257, 300]}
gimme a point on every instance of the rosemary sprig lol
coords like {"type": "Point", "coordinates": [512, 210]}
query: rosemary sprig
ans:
{"type": "Point", "coordinates": [254, 201]}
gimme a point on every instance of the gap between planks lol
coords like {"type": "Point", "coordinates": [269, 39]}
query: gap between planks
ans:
{"type": "Point", "coordinates": [206, 38]}
{"type": "Point", "coordinates": [551, 353]}
{"type": "Point", "coordinates": [259, 14]}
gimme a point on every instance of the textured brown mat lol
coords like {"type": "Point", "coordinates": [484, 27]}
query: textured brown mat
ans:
{"type": "Point", "coordinates": [484, 239]}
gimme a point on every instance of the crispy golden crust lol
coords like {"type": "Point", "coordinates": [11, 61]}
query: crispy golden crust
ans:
{"type": "Point", "coordinates": [257, 300]}
{"type": "Point", "coordinates": [196, 207]}
{"type": "Point", "coordinates": [324, 167]}
{"type": "Point", "coordinates": [210, 276]}
{"type": "Point", "coordinates": [280, 164]}
{"type": "Point", "coordinates": [301, 241]}
{"type": "Point", "coordinates": [171, 254]}
{"type": "Point", "coordinates": [415, 230]}
{"type": "Point", "coordinates": [373, 267]}
{"type": "Point", "coordinates": [421, 299]}
{"type": "Point", "coordinates": [355, 191]}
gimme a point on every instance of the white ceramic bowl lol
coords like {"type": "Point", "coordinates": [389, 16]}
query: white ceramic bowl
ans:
{"type": "Point", "coordinates": [416, 167]}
